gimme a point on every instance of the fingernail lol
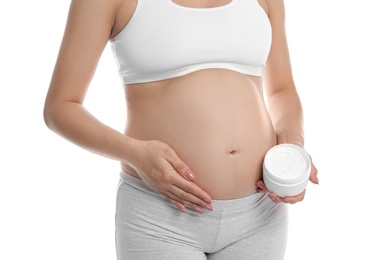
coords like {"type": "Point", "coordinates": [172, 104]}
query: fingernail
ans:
{"type": "Point", "coordinates": [190, 176]}
{"type": "Point", "coordinates": [209, 207]}
{"type": "Point", "coordinates": [273, 198]}
{"type": "Point", "coordinates": [182, 208]}
{"type": "Point", "coordinates": [261, 186]}
{"type": "Point", "coordinates": [316, 180]}
{"type": "Point", "coordinates": [207, 200]}
{"type": "Point", "coordinates": [199, 210]}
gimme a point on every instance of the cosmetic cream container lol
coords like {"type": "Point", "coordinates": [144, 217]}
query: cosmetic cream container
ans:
{"type": "Point", "coordinates": [286, 170]}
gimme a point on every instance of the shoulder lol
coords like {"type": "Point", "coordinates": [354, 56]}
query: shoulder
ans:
{"type": "Point", "coordinates": [93, 10]}
{"type": "Point", "coordinates": [123, 13]}
{"type": "Point", "coordinates": [96, 5]}
{"type": "Point", "coordinates": [111, 14]}
{"type": "Point", "coordinates": [264, 5]}
{"type": "Point", "coordinates": [275, 7]}
{"type": "Point", "coordinates": [274, 3]}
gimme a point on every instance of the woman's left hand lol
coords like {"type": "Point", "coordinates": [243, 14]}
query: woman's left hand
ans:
{"type": "Point", "coordinates": [291, 199]}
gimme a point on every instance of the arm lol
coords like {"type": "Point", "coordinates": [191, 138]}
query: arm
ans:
{"type": "Point", "coordinates": [89, 27]}
{"type": "Point", "coordinates": [283, 100]}
{"type": "Point", "coordinates": [284, 103]}
{"type": "Point", "coordinates": [83, 42]}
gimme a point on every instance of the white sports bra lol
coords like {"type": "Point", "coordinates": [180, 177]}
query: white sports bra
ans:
{"type": "Point", "coordinates": [165, 40]}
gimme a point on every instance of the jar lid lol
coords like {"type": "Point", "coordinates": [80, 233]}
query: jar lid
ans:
{"type": "Point", "coordinates": [287, 164]}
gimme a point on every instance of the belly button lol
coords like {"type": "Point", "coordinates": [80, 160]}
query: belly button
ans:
{"type": "Point", "coordinates": [232, 151]}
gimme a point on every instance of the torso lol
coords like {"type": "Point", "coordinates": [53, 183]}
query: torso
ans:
{"type": "Point", "coordinates": [215, 119]}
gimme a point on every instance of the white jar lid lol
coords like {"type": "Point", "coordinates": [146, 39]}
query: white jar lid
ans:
{"type": "Point", "coordinates": [287, 164]}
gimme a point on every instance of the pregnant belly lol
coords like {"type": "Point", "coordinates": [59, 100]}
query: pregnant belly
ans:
{"type": "Point", "coordinates": [221, 130]}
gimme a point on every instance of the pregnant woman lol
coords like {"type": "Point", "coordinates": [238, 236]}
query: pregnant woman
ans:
{"type": "Point", "coordinates": [198, 128]}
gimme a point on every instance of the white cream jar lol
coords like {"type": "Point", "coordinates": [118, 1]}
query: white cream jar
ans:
{"type": "Point", "coordinates": [286, 170]}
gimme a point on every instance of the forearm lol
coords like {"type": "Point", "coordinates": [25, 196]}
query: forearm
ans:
{"type": "Point", "coordinates": [287, 116]}
{"type": "Point", "coordinates": [72, 121]}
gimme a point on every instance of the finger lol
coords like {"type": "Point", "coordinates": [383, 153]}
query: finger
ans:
{"type": "Point", "coordinates": [187, 194]}
{"type": "Point", "coordinates": [294, 199]}
{"type": "Point", "coordinates": [180, 167]}
{"type": "Point", "coordinates": [261, 187]}
{"type": "Point", "coordinates": [314, 174]}
{"type": "Point", "coordinates": [184, 190]}
{"type": "Point", "coordinates": [178, 204]}
{"type": "Point", "coordinates": [190, 191]}
{"type": "Point", "coordinates": [289, 199]}
{"type": "Point", "coordinates": [186, 203]}
{"type": "Point", "coordinates": [274, 197]}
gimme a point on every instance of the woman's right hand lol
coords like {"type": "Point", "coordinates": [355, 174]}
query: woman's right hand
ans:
{"type": "Point", "coordinates": [162, 170]}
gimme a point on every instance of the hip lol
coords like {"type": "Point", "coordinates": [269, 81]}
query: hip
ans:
{"type": "Point", "coordinates": [144, 216]}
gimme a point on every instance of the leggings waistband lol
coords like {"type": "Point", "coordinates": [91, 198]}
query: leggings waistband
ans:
{"type": "Point", "coordinates": [218, 205]}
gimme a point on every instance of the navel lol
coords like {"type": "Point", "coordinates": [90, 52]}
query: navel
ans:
{"type": "Point", "coordinates": [232, 151]}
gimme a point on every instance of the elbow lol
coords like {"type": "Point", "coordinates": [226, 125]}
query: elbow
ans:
{"type": "Point", "coordinates": [57, 115]}
{"type": "Point", "coordinates": [49, 114]}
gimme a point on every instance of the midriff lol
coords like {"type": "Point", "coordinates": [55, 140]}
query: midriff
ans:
{"type": "Point", "coordinates": [216, 121]}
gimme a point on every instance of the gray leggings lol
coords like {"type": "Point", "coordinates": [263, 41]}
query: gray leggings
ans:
{"type": "Point", "coordinates": [149, 227]}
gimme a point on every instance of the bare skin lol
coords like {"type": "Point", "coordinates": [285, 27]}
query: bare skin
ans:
{"type": "Point", "coordinates": [194, 138]}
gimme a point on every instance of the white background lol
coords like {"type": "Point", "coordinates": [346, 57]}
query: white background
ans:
{"type": "Point", "coordinates": [57, 201]}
